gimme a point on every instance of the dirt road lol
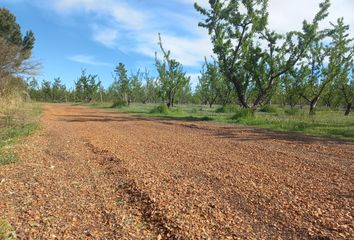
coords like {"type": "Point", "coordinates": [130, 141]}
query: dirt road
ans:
{"type": "Point", "coordinates": [90, 174]}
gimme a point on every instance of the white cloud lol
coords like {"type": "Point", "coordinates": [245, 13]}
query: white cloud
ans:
{"type": "Point", "coordinates": [105, 36]}
{"type": "Point", "coordinates": [288, 15]}
{"type": "Point", "coordinates": [138, 25]}
{"type": "Point", "coordinates": [187, 50]}
{"type": "Point", "coordinates": [120, 11]}
{"type": "Point", "coordinates": [88, 60]}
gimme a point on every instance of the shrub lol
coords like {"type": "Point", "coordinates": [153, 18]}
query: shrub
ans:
{"type": "Point", "coordinates": [268, 109]}
{"type": "Point", "coordinates": [118, 104]}
{"type": "Point", "coordinates": [227, 109]}
{"type": "Point", "coordinates": [243, 113]}
{"type": "Point", "coordinates": [161, 109]}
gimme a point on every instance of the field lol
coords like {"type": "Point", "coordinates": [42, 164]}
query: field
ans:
{"type": "Point", "coordinates": [326, 122]}
{"type": "Point", "coordinates": [96, 174]}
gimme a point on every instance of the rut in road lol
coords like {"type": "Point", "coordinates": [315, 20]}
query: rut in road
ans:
{"type": "Point", "coordinates": [97, 175]}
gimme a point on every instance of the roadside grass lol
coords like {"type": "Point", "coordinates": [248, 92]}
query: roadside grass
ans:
{"type": "Point", "coordinates": [15, 124]}
{"type": "Point", "coordinates": [326, 122]}
{"type": "Point", "coordinates": [7, 232]}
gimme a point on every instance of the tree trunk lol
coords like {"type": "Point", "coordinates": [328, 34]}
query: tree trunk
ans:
{"type": "Point", "coordinates": [312, 107]}
{"type": "Point", "coordinates": [348, 109]}
{"type": "Point", "coordinates": [240, 94]}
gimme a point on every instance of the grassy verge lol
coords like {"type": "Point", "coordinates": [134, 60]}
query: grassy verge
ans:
{"type": "Point", "coordinates": [326, 122]}
{"type": "Point", "coordinates": [7, 232]}
{"type": "Point", "coordinates": [22, 122]}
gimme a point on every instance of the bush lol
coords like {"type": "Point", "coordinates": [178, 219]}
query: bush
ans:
{"type": "Point", "coordinates": [119, 104]}
{"type": "Point", "coordinates": [291, 112]}
{"type": "Point", "coordinates": [268, 109]}
{"type": "Point", "coordinates": [243, 113]}
{"type": "Point", "coordinates": [227, 109]}
{"type": "Point", "coordinates": [161, 109]}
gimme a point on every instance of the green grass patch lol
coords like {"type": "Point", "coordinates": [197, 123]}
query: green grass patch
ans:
{"type": "Point", "coordinates": [7, 231]}
{"type": "Point", "coordinates": [227, 109]}
{"type": "Point", "coordinates": [7, 158]}
{"type": "Point", "coordinates": [24, 123]}
{"type": "Point", "coordinates": [326, 122]}
{"type": "Point", "coordinates": [243, 114]}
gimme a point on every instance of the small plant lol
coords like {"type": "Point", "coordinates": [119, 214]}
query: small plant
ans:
{"type": "Point", "coordinates": [7, 232]}
{"type": "Point", "coordinates": [7, 158]}
{"type": "Point", "coordinates": [118, 104]}
{"type": "Point", "coordinates": [243, 113]}
{"type": "Point", "coordinates": [120, 201]}
{"type": "Point", "coordinates": [227, 109]}
{"type": "Point", "coordinates": [161, 109]}
{"type": "Point", "coordinates": [268, 109]}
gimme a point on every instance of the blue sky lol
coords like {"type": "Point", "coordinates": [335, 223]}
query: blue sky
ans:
{"type": "Point", "coordinates": [97, 34]}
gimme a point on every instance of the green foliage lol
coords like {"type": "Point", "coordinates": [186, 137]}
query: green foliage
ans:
{"type": "Point", "coordinates": [227, 109]}
{"type": "Point", "coordinates": [86, 87]}
{"type": "Point", "coordinates": [172, 79]}
{"type": "Point", "coordinates": [243, 113]}
{"type": "Point", "coordinates": [314, 73]}
{"type": "Point", "coordinates": [14, 48]}
{"type": "Point", "coordinates": [237, 28]}
{"type": "Point", "coordinates": [121, 86]}
{"type": "Point", "coordinates": [118, 104]}
{"type": "Point", "coordinates": [161, 109]}
{"type": "Point", "coordinates": [268, 109]}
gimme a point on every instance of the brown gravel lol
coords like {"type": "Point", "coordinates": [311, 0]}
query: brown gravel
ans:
{"type": "Point", "coordinates": [90, 174]}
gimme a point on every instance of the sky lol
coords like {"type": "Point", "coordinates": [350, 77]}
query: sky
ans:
{"type": "Point", "coordinates": [98, 34]}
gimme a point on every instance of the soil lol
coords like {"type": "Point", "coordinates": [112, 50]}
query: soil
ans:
{"type": "Point", "coordinates": [93, 174]}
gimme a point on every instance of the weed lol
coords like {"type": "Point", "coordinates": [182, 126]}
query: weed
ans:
{"type": "Point", "coordinates": [7, 232]}
{"type": "Point", "coordinates": [7, 158]}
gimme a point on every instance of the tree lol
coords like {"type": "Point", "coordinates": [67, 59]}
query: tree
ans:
{"type": "Point", "coordinates": [135, 87]}
{"type": "Point", "coordinates": [172, 78]}
{"type": "Point", "coordinates": [86, 87]}
{"type": "Point", "coordinates": [150, 89]}
{"type": "Point", "coordinates": [14, 49]}
{"type": "Point", "coordinates": [46, 91]}
{"type": "Point", "coordinates": [343, 54]}
{"type": "Point", "coordinates": [121, 84]}
{"type": "Point", "coordinates": [58, 91]}
{"type": "Point", "coordinates": [251, 56]}
{"type": "Point", "coordinates": [315, 73]}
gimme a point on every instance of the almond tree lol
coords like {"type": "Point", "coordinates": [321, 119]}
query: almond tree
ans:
{"type": "Point", "coordinates": [326, 63]}
{"type": "Point", "coordinates": [121, 84]}
{"type": "Point", "coordinates": [172, 78]}
{"type": "Point", "coordinates": [251, 56]}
